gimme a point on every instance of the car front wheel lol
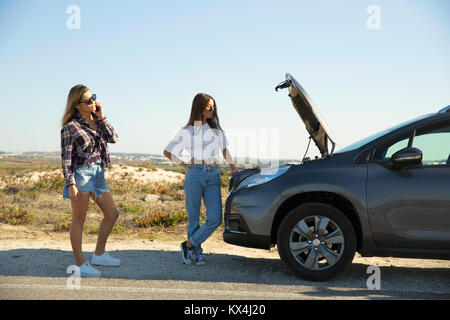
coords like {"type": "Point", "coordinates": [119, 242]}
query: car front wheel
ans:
{"type": "Point", "coordinates": [316, 241]}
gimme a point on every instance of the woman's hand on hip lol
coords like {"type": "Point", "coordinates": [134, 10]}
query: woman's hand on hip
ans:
{"type": "Point", "coordinates": [186, 165]}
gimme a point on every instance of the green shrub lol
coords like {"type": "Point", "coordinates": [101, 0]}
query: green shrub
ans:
{"type": "Point", "coordinates": [50, 183]}
{"type": "Point", "coordinates": [168, 189]}
{"type": "Point", "coordinates": [93, 229]}
{"type": "Point", "coordinates": [62, 223]}
{"type": "Point", "coordinates": [122, 187]}
{"type": "Point", "coordinates": [118, 229]}
{"type": "Point", "coordinates": [129, 208]}
{"type": "Point", "coordinates": [148, 166]}
{"type": "Point", "coordinates": [29, 194]}
{"type": "Point", "coordinates": [178, 169]}
{"type": "Point", "coordinates": [160, 219]}
{"type": "Point", "coordinates": [15, 215]}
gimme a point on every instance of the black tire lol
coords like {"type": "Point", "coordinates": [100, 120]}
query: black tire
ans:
{"type": "Point", "coordinates": [309, 259]}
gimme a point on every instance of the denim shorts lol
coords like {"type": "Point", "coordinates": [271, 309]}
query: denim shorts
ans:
{"type": "Point", "coordinates": [89, 179]}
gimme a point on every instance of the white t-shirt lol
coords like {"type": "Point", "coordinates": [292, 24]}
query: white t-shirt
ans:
{"type": "Point", "coordinates": [201, 142]}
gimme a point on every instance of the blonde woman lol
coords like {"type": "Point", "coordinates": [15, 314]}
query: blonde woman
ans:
{"type": "Point", "coordinates": [84, 151]}
{"type": "Point", "coordinates": [205, 141]}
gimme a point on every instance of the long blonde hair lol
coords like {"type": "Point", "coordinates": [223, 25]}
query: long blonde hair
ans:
{"type": "Point", "coordinates": [73, 99]}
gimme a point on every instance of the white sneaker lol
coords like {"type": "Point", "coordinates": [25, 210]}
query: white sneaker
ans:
{"type": "Point", "coordinates": [105, 260]}
{"type": "Point", "coordinates": [87, 271]}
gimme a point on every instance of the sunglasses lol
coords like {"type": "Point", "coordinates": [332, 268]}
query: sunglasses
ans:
{"type": "Point", "coordinates": [90, 100]}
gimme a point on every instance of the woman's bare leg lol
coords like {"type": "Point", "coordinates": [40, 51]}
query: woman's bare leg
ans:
{"type": "Point", "coordinates": [79, 211]}
{"type": "Point", "coordinates": [111, 213]}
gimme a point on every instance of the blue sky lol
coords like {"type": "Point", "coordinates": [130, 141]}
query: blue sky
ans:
{"type": "Point", "coordinates": [146, 60]}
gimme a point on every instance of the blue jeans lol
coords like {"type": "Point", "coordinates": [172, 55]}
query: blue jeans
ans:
{"type": "Point", "coordinates": [202, 182]}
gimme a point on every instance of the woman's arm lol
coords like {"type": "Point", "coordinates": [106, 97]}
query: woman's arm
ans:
{"type": "Point", "coordinates": [110, 134]}
{"type": "Point", "coordinates": [67, 139]}
{"type": "Point", "coordinates": [175, 159]}
{"type": "Point", "coordinates": [229, 160]}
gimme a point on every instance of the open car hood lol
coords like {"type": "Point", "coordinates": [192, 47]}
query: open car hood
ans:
{"type": "Point", "coordinates": [314, 123]}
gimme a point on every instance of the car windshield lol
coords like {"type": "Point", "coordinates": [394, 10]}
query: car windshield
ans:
{"type": "Point", "coordinates": [371, 138]}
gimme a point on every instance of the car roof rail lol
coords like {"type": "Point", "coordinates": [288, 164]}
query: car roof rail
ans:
{"type": "Point", "coordinates": [445, 110]}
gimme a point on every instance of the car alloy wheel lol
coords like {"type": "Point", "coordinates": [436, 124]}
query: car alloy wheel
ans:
{"type": "Point", "coordinates": [316, 241]}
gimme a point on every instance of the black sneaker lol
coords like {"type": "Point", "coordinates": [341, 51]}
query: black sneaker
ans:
{"type": "Point", "coordinates": [185, 253]}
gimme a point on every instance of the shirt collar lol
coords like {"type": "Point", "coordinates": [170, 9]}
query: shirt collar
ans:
{"type": "Point", "coordinates": [80, 118]}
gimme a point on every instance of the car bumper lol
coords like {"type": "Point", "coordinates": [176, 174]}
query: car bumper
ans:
{"type": "Point", "coordinates": [236, 230]}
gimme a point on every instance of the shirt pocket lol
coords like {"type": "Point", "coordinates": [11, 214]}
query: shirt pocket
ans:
{"type": "Point", "coordinates": [84, 145]}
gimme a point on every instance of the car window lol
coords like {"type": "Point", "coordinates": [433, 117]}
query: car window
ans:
{"type": "Point", "coordinates": [395, 147]}
{"type": "Point", "coordinates": [434, 142]}
{"type": "Point", "coordinates": [367, 140]}
{"type": "Point", "coordinates": [385, 152]}
{"type": "Point", "coordinates": [435, 146]}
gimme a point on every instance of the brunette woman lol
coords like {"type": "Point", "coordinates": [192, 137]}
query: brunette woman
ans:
{"type": "Point", "coordinates": [205, 141]}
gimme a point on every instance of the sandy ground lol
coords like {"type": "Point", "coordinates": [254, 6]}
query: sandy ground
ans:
{"type": "Point", "coordinates": [142, 175]}
{"type": "Point", "coordinates": [114, 172]}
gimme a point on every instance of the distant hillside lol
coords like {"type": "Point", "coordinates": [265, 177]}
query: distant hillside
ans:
{"type": "Point", "coordinates": [123, 157]}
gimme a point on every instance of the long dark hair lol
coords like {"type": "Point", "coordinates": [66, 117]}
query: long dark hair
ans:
{"type": "Point", "coordinates": [199, 103]}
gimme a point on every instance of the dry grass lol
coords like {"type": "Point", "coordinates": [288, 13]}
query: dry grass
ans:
{"type": "Point", "coordinates": [31, 195]}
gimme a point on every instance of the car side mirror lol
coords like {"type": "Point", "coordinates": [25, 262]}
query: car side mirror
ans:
{"type": "Point", "coordinates": [406, 157]}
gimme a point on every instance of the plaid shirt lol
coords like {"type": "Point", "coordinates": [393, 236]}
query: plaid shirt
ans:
{"type": "Point", "coordinates": [81, 144]}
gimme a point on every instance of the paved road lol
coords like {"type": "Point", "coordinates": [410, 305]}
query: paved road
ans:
{"type": "Point", "coordinates": [152, 270]}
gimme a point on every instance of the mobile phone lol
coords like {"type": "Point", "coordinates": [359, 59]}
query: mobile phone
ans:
{"type": "Point", "coordinates": [96, 110]}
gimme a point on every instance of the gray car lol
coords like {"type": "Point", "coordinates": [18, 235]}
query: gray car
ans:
{"type": "Point", "coordinates": [386, 195]}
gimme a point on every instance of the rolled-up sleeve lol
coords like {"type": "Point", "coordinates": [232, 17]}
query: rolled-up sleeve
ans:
{"type": "Point", "coordinates": [109, 132]}
{"type": "Point", "coordinates": [177, 143]}
{"type": "Point", "coordinates": [67, 139]}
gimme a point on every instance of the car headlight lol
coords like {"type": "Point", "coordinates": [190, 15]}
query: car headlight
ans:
{"type": "Point", "coordinates": [263, 176]}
